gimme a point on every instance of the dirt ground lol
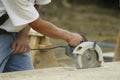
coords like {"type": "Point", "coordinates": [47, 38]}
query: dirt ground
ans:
{"type": "Point", "coordinates": [97, 23]}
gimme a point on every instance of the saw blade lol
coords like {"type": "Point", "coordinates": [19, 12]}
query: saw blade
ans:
{"type": "Point", "coordinates": [88, 59]}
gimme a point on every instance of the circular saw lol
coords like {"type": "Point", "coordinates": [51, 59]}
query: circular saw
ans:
{"type": "Point", "coordinates": [86, 55]}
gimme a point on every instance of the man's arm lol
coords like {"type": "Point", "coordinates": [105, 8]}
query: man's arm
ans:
{"type": "Point", "coordinates": [21, 45]}
{"type": "Point", "coordinates": [51, 30]}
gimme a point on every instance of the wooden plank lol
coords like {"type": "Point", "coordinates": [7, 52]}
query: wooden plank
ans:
{"type": "Point", "coordinates": [110, 71]}
{"type": "Point", "coordinates": [33, 42]}
{"type": "Point", "coordinates": [34, 33]}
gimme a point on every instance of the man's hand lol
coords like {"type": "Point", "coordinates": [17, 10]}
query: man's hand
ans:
{"type": "Point", "coordinates": [20, 46]}
{"type": "Point", "coordinates": [74, 39]}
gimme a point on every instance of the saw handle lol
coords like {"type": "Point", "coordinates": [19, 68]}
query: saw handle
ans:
{"type": "Point", "coordinates": [69, 49]}
{"type": "Point", "coordinates": [84, 37]}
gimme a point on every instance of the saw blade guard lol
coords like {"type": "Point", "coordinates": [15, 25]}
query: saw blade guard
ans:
{"type": "Point", "coordinates": [80, 50]}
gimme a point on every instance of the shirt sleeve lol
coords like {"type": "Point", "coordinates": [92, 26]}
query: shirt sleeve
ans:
{"type": "Point", "coordinates": [21, 12]}
{"type": "Point", "coordinates": [42, 2]}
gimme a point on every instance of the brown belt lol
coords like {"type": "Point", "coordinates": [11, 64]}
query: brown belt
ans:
{"type": "Point", "coordinates": [2, 31]}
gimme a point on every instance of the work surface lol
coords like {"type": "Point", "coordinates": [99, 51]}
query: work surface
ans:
{"type": "Point", "coordinates": [110, 71]}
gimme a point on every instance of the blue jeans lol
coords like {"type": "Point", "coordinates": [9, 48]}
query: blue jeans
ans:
{"type": "Point", "coordinates": [16, 62]}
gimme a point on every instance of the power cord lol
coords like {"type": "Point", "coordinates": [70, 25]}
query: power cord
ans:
{"type": "Point", "coordinates": [50, 48]}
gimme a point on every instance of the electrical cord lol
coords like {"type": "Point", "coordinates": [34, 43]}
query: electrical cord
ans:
{"type": "Point", "coordinates": [85, 39]}
{"type": "Point", "coordinates": [50, 48]}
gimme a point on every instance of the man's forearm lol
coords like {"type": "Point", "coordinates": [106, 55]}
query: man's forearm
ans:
{"type": "Point", "coordinates": [24, 32]}
{"type": "Point", "coordinates": [49, 29]}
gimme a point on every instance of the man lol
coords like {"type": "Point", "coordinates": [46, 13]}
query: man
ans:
{"type": "Point", "coordinates": [23, 14]}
